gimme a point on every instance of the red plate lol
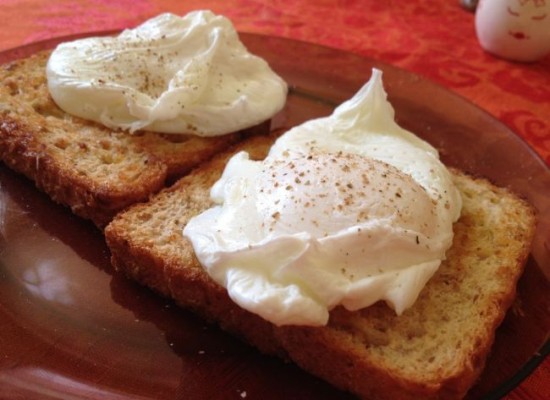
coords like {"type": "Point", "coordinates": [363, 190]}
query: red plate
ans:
{"type": "Point", "coordinates": [70, 327]}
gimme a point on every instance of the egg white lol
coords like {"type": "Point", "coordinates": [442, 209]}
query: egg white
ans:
{"type": "Point", "coordinates": [171, 74]}
{"type": "Point", "coordinates": [349, 209]}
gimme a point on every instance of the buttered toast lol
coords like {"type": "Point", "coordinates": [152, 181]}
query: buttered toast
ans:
{"type": "Point", "coordinates": [92, 169]}
{"type": "Point", "coordinates": [435, 350]}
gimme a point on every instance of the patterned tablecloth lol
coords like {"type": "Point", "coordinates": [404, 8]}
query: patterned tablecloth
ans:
{"type": "Point", "coordinates": [433, 38]}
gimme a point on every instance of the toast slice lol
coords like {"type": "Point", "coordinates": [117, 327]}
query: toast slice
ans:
{"type": "Point", "coordinates": [92, 169]}
{"type": "Point", "coordinates": [435, 350]}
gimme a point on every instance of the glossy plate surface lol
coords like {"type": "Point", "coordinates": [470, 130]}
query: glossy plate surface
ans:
{"type": "Point", "coordinates": [72, 328]}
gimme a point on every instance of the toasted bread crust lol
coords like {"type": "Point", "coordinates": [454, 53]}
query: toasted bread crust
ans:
{"type": "Point", "coordinates": [94, 170]}
{"type": "Point", "coordinates": [435, 350]}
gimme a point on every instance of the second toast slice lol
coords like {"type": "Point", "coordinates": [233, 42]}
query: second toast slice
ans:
{"type": "Point", "coordinates": [94, 170]}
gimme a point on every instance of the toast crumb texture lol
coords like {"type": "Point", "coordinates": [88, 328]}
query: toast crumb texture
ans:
{"type": "Point", "coordinates": [92, 169]}
{"type": "Point", "coordinates": [435, 350]}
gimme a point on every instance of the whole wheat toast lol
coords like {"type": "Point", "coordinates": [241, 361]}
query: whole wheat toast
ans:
{"type": "Point", "coordinates": [92, 169]}
{"type": "Point", "coordinates": [435, 350]}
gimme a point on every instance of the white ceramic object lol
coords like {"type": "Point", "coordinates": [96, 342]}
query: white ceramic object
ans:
{"type": "Point", "coordinates": [517, 30]}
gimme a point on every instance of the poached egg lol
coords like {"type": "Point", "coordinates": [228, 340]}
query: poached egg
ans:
{"type": "Point", "coordinates": [346, 210]}
{"type": "Point", "coordinates": [171, 74]}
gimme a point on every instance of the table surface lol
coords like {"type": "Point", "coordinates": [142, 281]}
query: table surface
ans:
{"type": "Point", "coordinates": [432, 38]}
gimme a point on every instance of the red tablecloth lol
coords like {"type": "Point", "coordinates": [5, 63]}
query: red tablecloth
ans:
{"type": "Point", "coordinates": [433, 38]}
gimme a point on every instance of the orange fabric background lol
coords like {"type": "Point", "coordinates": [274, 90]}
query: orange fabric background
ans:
{"type": "Point", "coordinates": [433, 38]}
